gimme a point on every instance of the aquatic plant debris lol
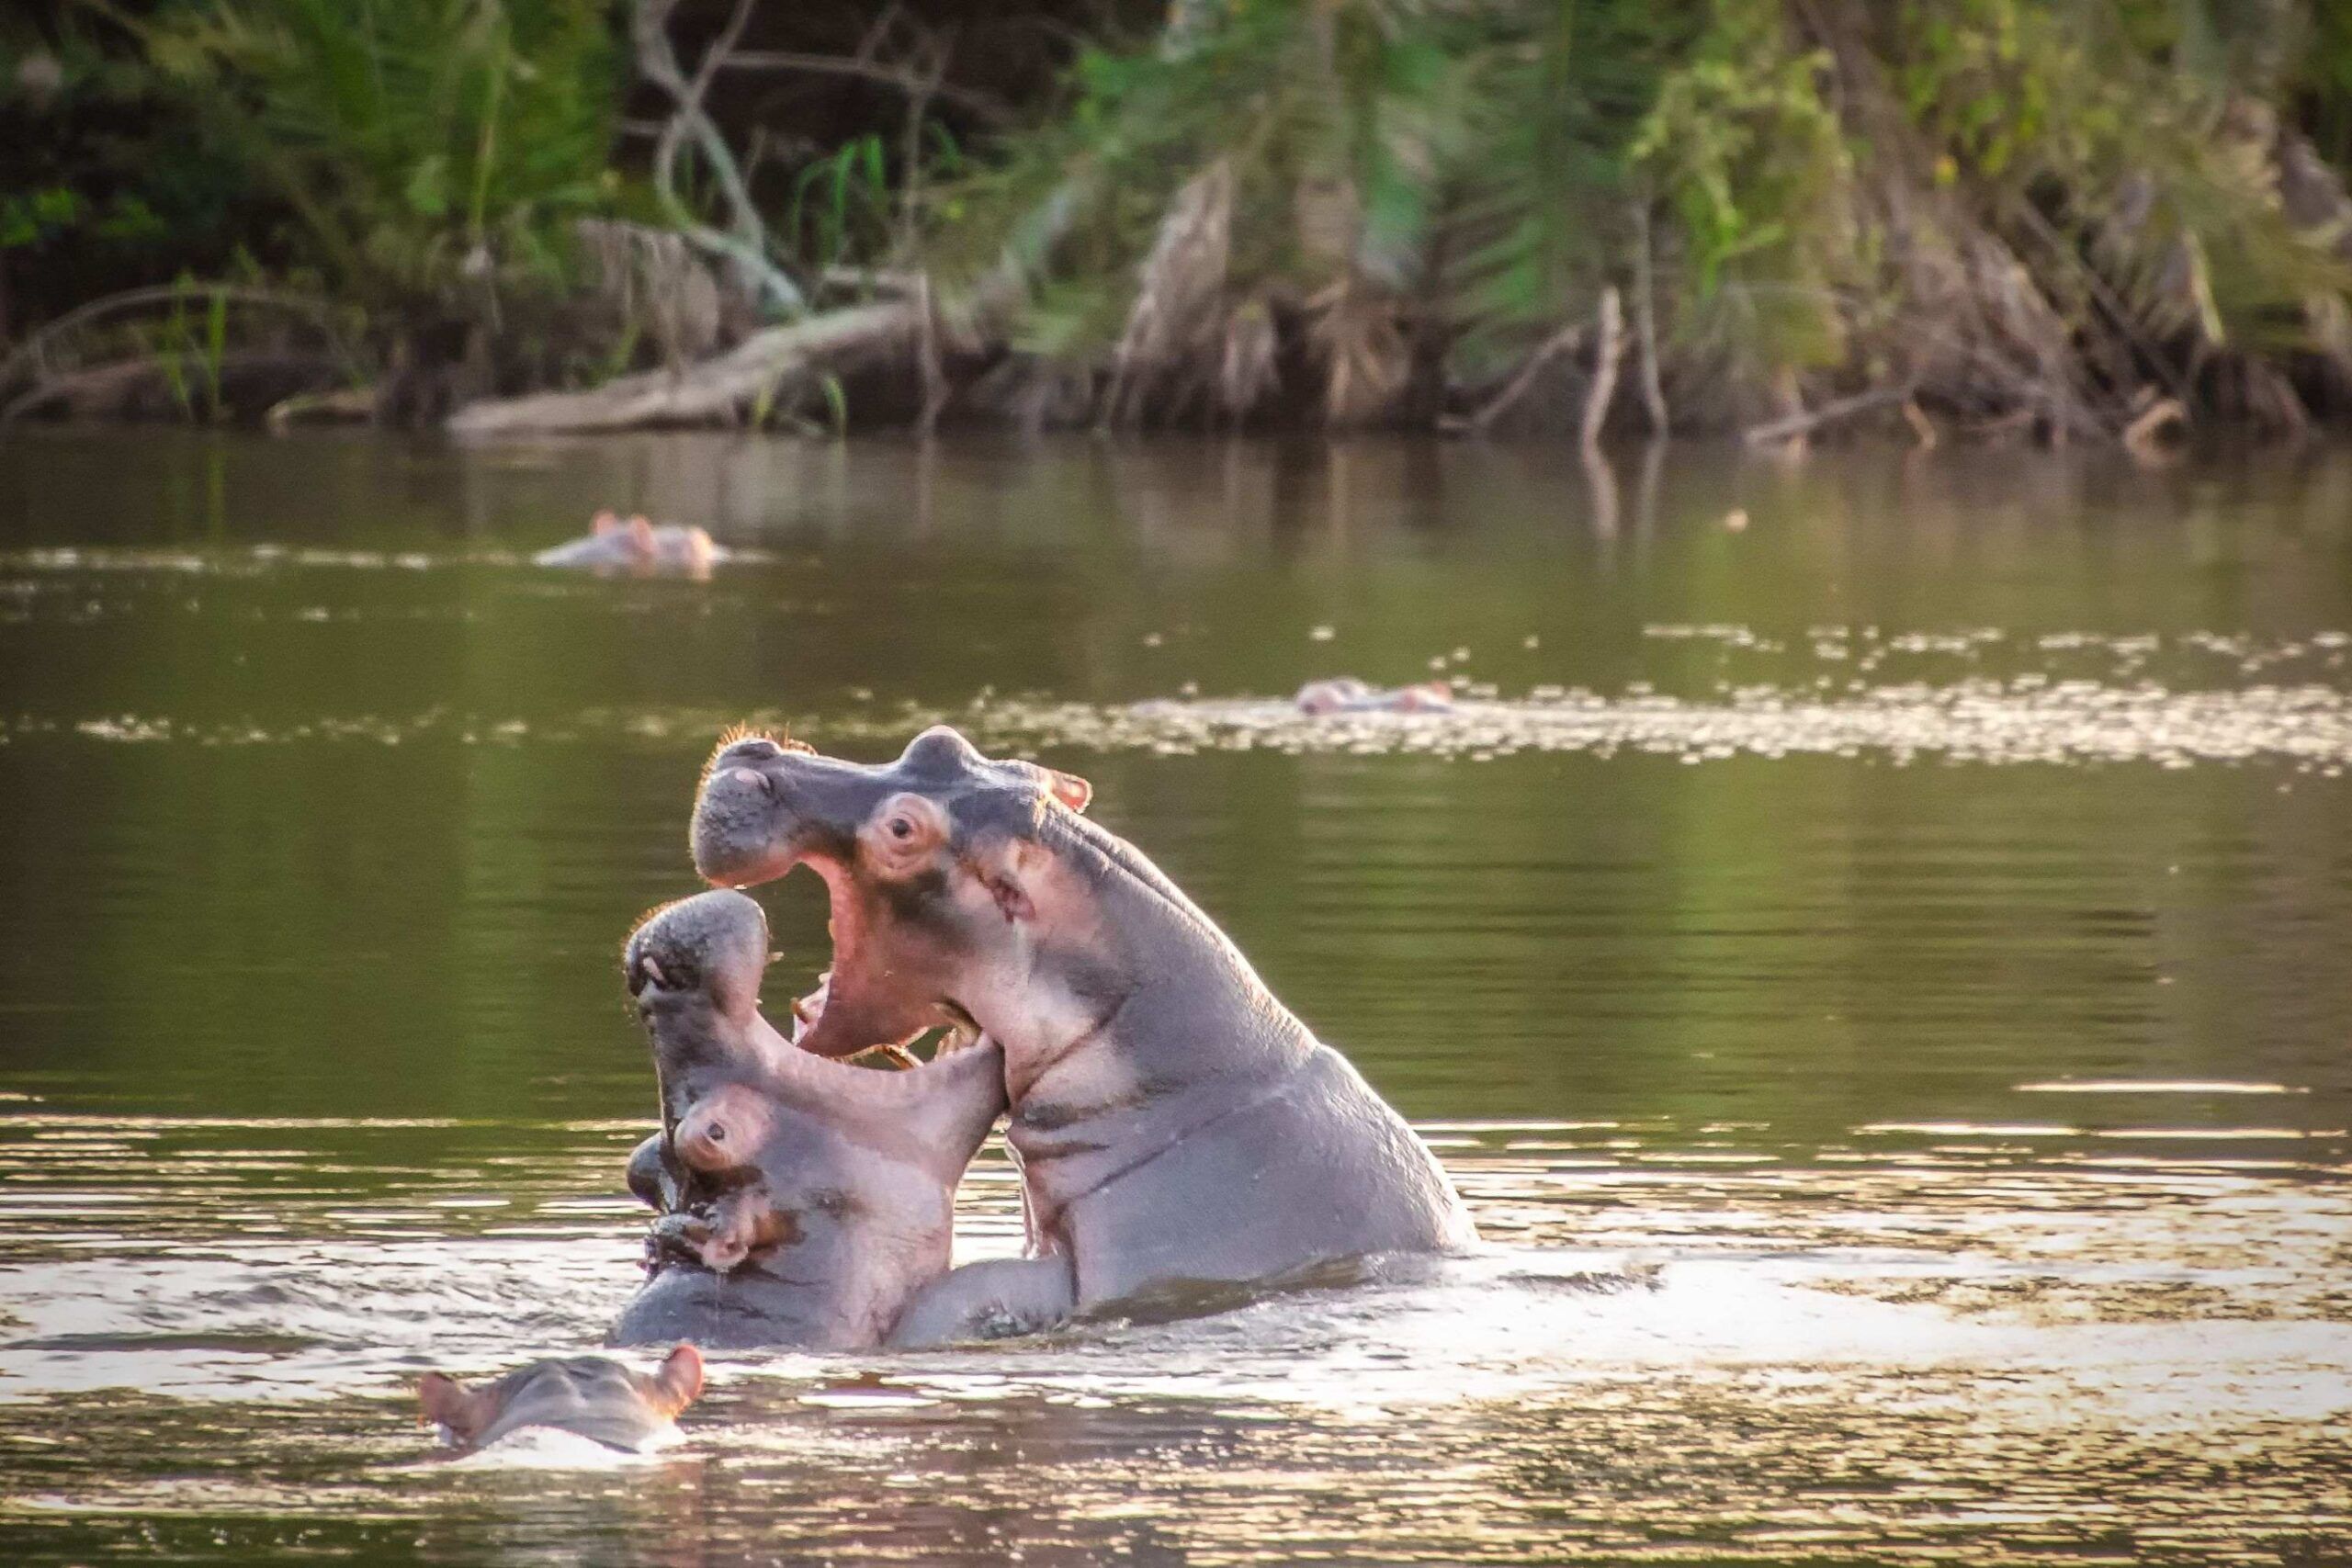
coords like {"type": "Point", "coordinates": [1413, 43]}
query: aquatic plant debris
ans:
{"type": "Point", "coordinates": [2029, 719]}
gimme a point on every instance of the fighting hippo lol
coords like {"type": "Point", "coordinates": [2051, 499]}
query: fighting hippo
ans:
{"type": "Point", "coordinates": [589, 1396]}
{"type": "Point", "coordinates": [1345, 694]}
{"type": "Point", "coordinates": [1175, 1123]}
{"type": "Point", "coordinates": [807, 1200]}
{"type": "Point", "coordinates": [636, 546]}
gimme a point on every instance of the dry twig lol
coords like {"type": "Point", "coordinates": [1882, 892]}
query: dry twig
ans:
{"type": "Point", "coordinates": [1798, 425]}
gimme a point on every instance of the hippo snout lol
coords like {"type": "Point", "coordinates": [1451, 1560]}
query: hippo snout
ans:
{"type": "Point", "coordinates": [714, 945]}
{"type": "Point", "coordinates": [764, 803]}
{"type": "Point", "coordinates": [739, 831]}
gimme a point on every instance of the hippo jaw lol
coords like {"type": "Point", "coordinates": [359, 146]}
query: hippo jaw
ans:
{"type": "Point", "coordinates": [911, 854]}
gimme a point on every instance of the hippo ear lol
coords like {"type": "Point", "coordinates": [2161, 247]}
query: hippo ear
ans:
{"type": "Point", "coordinates": [640, 533]}
{"type": "Point", "coordinates": [451, 1403]}
{"type": "Point", "coordinates": [604, 522]}
{"type": "Point", "coordinates": [1068, 788]}
{"type": "Point", "coordinates": [679, 1382]}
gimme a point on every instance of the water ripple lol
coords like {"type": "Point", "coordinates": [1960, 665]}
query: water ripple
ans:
{"type": "Point", "coordinates": [1930, 1341]}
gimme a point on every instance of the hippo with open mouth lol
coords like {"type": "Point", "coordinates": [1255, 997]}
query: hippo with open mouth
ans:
{"type": "Point", "coordinates": [805, 1201]}
{"type": "Point", "coordinates": [1176, 1124]}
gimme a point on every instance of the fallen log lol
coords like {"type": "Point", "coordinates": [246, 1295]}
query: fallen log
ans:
{"type": "Point", "coordinates": [240, 384]}
{"type": "Point", "coordinates": [29, 361]}
{"type": "Point", "coordinates": [712, 391]}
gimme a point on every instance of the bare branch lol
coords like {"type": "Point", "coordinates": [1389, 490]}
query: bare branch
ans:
{"type": "Point", "coordinates": [746, 245]}
{"type": "Point", "coordinates": [1612, 349]}
{"type": "Point", "coordinates": [1797, 425]}
{"type": "Point", "coordinates": [1645, 318]}
{"type": "Point", "coordinates": [712, 391]}
{"type": "Point", "coordinates": [1559, 343]}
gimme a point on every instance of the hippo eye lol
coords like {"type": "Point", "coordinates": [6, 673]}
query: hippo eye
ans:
{"type": "Point", "coordinates": [717, 1134]}
{"type": "Point", "coordinates": [900, 829]}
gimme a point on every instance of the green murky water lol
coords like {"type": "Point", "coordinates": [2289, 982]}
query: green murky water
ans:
{"type": "Point", "coordinates": [1892, 909]}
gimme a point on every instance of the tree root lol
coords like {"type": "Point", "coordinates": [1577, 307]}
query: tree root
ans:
{"type": "Point", "coordinates": [2146, 437]}
{"type": "Point", "coordinates": [35, 359]}
{"type": "Point", "coordinates": [1612, 349]}
{"type": "Point", "coordinates": [239, 384]}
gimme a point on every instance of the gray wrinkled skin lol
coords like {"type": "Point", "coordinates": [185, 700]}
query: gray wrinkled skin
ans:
{"type": "Point", "coordinates": [856, 1167]}
{"type": "Point", "coordinates": [1176, 1123]}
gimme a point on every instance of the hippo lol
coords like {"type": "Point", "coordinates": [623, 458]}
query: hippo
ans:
{"type": "Point", "coordinates": [589, 1396]}
{"type": "Point", "coordinates": [806, 1201]}
{"type": "Point", "coordinates": [1177, 1126]}
{"type": "Point", "coordinates": [1345, 694]}
{"type": "Point", "coordinates": [636, 546]}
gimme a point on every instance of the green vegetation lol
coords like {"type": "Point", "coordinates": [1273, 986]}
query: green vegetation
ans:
{"type": "Point", "coordinates": [2075, 217]}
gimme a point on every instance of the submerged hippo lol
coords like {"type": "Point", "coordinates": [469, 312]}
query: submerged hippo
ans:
{"type": "Point", "coordinates": [636, 546]}
{"type": "Point", "coordinates": [806, 1201]}
{"type": "Point", "coordinates": [589, 1396]}
{"type": "Point", "coordinates": [1175, 1123]}
{"type": "Point", "coordinates": [1345, 694]}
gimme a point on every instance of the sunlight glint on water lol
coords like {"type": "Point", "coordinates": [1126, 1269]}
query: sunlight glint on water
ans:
{"type": "Point", "coordinates": [1878, 977]}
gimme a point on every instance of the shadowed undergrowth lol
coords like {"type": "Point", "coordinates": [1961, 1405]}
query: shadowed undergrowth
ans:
{"type": "Point", "coordinates": [2064, 219]}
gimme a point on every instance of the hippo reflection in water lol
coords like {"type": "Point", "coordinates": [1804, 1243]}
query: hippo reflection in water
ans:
{"type": "Point", "coordinates": [805, 1201]}
{"type": "Point", "coordinates": [589, 1396]}
{"type": "Point", "coordinates": [1176, 1124]}
{"type": "Point", "coordinates": [638, 547]}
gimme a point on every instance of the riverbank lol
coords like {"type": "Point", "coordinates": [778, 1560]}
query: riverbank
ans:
{"type": "Point", "coordinates": [1964, 219]}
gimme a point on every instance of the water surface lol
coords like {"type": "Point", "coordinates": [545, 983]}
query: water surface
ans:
{"type": "Point", "coordinates": [1869, 944]}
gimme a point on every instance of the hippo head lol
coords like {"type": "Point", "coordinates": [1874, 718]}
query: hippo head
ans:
{"type": "Point", "coordinates": [592, 1396]}
{"type": "Point", "coordinates": [951, 890]}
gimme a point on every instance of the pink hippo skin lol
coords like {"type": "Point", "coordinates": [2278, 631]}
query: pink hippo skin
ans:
{"type": "Point", "coordinates": [1177, 1126]}
{"type": "Point", "coordinates": [590, 1396]}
